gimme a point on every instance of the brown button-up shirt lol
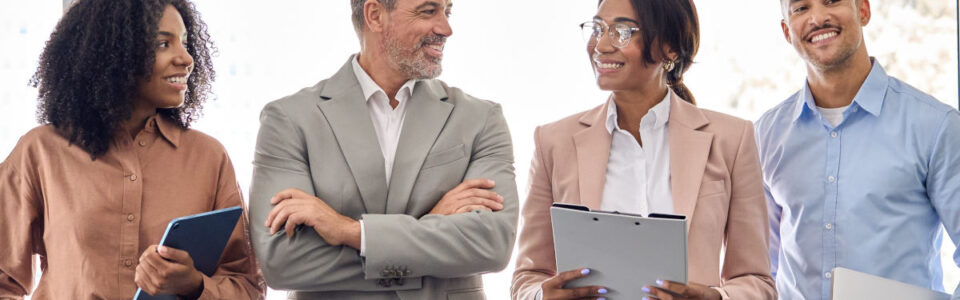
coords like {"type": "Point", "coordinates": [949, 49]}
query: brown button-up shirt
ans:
{"type": "Point", "coordinates": [90, 220]}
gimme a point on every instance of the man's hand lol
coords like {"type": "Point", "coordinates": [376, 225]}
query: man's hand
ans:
{"type": "Point", "coordinates": [164, 270]}
{"type": "Point", "coordinates": [669, 290]}
{"type": "Point", "coordinates": [293, 207]}
{"type": "Point", "coordinates": [473, 194]}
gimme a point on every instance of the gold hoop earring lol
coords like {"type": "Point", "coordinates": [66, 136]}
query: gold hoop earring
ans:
{"type": "Point", "coordinates": [668, 66]}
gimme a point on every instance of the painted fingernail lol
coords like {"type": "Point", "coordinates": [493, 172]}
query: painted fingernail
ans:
{"type": "Point", "coordinates": [585, 271]}
{"type": "Point", "coordinates": [602, 291]}
{"type": "Point", "coordinates": [645, 289]}
{"type": "Point", "coordinates": [602, 298]}
{"type": "Point", "coordinates": [646, 298]}
{"type": "Point", "coordinates": [659, 282]}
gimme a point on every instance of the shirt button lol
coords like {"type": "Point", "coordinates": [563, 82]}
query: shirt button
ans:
{"type": "Point", "coordinates": [828, 226]}
{"type": "Point", "coordinates": [133, 177]}
{"type": "Point", "coordinates": [832, 134]}
{"type": "Point", "coordinates": [130, 217]}
{"type": "Point", "coordinates": [831, 179]}
{"type": "Point", "coordinates": [128, 262]}
{"type": "Point", "coordinates": [827, 275]}
{"type": "Point", "coordinates": [142, 143]}
{"type": "Point", "coordinates": [855, 109]}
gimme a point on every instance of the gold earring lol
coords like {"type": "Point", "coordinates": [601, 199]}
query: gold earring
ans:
{"type": "Point", "coordinates": [668, 66]}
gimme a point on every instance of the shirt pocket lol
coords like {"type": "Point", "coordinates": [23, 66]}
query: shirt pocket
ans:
{"type": "Point", "coordinates": [442, 157]}
{"type": "Point", "coordinates": [711, 188]}
{"type": "Point", "coordinates": [466, 294]}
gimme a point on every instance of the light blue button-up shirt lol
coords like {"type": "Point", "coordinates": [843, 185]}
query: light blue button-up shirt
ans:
{"type": "Point", "coordinates": [868, 195]}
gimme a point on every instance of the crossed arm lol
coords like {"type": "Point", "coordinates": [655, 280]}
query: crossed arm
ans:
{"type": "Point", "coordinates": [448, 242]}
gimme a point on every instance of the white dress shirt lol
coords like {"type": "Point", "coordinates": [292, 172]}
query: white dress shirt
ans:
{"type": "Point", "coordinates": [638, 177]}
{"type": "Point", "coordinates": [387, 121]}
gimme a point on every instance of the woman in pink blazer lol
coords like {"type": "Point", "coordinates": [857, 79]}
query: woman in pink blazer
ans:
{"type": "Point", "coordinates": [649, 149]}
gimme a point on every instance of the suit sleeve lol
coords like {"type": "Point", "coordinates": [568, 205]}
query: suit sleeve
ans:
{"type": "Point", "coordinates": [536, 260]}
{"type": "Point", "coordinates": [237, 276]}
{"type": "Point", "coordinates": [305, 262]}
{"type": "Point", "coordinates": [21, 224]}
{"type": "Point", "coordinates": [943, 184]}
{"type": "Point", "coordinates": [746, 265]}
{"type": "Point", "coordinates": [456, 245]}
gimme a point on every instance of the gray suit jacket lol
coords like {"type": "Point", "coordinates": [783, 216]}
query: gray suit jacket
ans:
{"type": "Point", "coordinates": [321, 140]}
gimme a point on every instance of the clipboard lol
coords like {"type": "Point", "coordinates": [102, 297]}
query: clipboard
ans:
{"type": "Point", "coordinates": [848, 284]}
{"type": "Point", "coordinates": [624, 252]}
{"type": "Point", "coordinates": [204, 236]}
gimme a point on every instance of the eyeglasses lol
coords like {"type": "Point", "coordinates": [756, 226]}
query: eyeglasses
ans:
{"type": "Point", "coordinates": [619, 36]}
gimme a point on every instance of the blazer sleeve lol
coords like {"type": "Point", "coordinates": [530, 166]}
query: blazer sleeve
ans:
{"type": "Point", "coordinates": [746, 266]}
{"type": "Point", "coordinates": [305, 262]}
{"type": "Point", "coordinates": [455, 245]}
{"type": "Point", "coordinates": [237, 276]}
{"type": "Point", "coordinates": [21, 226]}
{"type": "Point", "coordinates": [536, 260]}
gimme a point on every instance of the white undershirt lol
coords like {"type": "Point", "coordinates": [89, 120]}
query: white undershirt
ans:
{"type": "Point", "coordinates": [833, 115]}
{"type": "Point", "coordinates": [387, 122]}
{"type": "Point", "coordinates": [638, 177]}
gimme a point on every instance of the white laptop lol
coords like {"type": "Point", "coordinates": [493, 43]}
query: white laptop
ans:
{"type": "Point", "coordinates": [852, 285]}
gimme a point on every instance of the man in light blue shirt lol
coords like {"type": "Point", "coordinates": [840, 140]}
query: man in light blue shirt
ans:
{"type": "Point", "coordinates": [860, 169]}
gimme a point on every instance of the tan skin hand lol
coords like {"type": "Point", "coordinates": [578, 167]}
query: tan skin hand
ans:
{"type": "Point", "coordinates": [472, 194]}
{"type": "Point", "coordinates": [553, 288]}
{"type": "Point", "coordinates": [669, 290]}
{"type": "Point", "coordinates": [164, 270]}
{"type": "Point", "coordinates": [293, 207]}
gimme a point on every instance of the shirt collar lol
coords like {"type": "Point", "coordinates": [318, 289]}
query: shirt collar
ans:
{"type": "Point", "coordinates": [370, 87]}
{"type": "Point", "coordinates": [169, 130]}
{"type": "Point", "coordinates": [869, 97]}
{"type": "Point", "coordinates": [660, 113]}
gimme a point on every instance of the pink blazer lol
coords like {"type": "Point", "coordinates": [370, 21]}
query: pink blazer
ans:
{"type": "Point", "coordinates": [715, 180]}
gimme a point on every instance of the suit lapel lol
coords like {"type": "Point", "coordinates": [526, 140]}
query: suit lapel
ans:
{"type": "Point", "coordinates": [593, 151]}
{"type": "Point", "coordinates": [689, 149]}
{"type": "Point", "coordinates": [343, 106]}
{"type": "Point", "coordinates": [424, 119]}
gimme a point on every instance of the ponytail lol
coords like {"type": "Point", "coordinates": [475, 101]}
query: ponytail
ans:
{"type": "Point", "coordinates": [675, 79]}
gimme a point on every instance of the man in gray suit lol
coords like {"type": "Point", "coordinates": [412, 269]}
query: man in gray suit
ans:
{"type": "Point", "coordinates": [407, 184]}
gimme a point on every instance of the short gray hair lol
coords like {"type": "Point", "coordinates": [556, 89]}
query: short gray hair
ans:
{"type": "Point", "coordinates": [357, 6]}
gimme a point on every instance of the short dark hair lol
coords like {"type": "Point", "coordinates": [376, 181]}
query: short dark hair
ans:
{"type": "Point", "coordinates": [98, 54]}
{"type": "Point", "coordinates": [673, 23]}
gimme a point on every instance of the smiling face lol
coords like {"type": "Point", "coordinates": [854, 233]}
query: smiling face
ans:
{"type": "Point", "coordinates": [826, 33]}
{"type": "Point", "coordinates": [619, 69]}
{"type": "Point", "coordinates": [167, 85]}
{"type": "Point", "coordinates": [414, 36]}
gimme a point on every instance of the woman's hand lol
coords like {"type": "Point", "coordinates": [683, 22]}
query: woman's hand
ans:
{"type": "Point", "coordinates": [164, 270]}
{"type": "Point", "coordinates": [669, 290]}
{"type": "Point", "coordinates": [552, 289]}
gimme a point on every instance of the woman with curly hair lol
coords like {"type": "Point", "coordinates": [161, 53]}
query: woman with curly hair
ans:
{"type": "Point", "coordinates": [90, 192]}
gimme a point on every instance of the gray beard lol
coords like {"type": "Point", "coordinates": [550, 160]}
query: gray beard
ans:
{"type": "Point", "coordinates": [406, 59]}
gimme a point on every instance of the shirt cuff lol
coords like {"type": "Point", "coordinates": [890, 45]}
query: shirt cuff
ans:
{"type": "Point", "coordinates": [723, 294]}
{"type": "Point", "coordinates": [363, 241]}
{"type": "Point", "coordinates": [539, 295]}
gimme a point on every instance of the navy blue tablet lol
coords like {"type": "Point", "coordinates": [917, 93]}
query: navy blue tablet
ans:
{"type": "Point", "coordinates": [203, 236]}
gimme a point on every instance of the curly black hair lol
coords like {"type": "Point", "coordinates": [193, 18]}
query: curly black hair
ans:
{"type": "Point", "coordinates": [96, 58]}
